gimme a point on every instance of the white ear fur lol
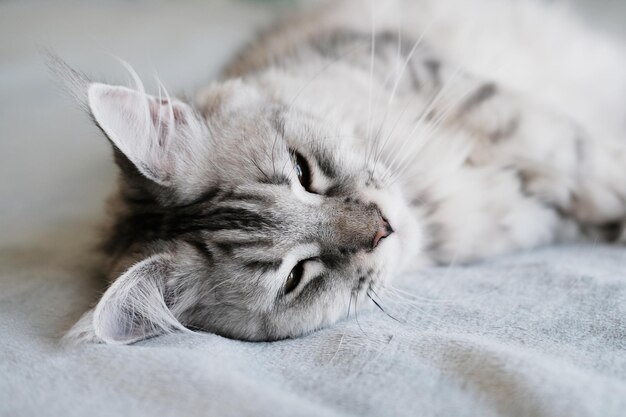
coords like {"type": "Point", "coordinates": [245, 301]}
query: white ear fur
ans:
{"type": "Point", "coordinates": [134, 308]}
{"type": "Point", "coordinates": [154, 134]}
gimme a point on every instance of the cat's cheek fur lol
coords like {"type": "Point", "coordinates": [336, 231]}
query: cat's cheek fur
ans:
{"type": "Point", "coordinates": [330, 308]}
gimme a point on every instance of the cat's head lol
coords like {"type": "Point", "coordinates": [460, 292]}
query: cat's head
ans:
{"type": "Point", "coordinates": [254, 219]}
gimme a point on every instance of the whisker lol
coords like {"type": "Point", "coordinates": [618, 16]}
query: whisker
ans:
{"type": "Point", "coordinates": [356, 315]}
{"type": "Point", "coordinates": [405, 162]}
{"type": "Point", "coordinates": [435, 97]}
{"type": "Point", "coordinates": [307, 84]}
{"type": "Point", "coordinates": [343, 334]}
{"type": "Point", "coordinates": [139, 87]}
{"type": "Point", "coordinates": [447, 113]}
{"type": "Point", "coordinates": [372, 142]}
{"type": "Point", "coordinates": [395, 163]}
{"type": "Point", "coordinates": [382, 309]}
{"type": "Point", "coordinates": [256, 164]}
{"type": "Point", "coordinates": [371, 83]}
{"type": "Point", "coordinates": [350, 303]}
{"type": "Point", "coordinates": [394, 90]}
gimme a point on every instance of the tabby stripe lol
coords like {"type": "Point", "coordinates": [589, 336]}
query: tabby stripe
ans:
{"type": "Point", "coordinates": [482, 94]}
{"type": "Point", "coordinates": [228, 247]}
{"type": "Point", "coordinates": [263, 266]}
{"type": "Point", "coordinates": [202, 249]}
{"type": "Point", "coordinates": [205, 198]}
{"type": "Point", "coordinates": [507, 131]}
{"type": "Point", "coordinates": [415, 81]}
{"type": "Point", "coordinates": [221, 218]}
{"type": "Point", "coordinates": [325, 164]}
{"type": "Point", "coordinates": [434, 68]}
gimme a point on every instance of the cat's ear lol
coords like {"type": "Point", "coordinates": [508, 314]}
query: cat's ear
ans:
{"type": "Point", "coordinates": [134, 307]}
{"type": "Point", "coordinates": [156, 134]}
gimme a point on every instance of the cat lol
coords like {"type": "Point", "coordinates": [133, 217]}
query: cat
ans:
{"type": "Point", "coordinates": [345, 147]}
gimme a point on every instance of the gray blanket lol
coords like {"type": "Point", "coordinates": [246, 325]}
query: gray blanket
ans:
{"type": "Point", "coordinates": [541, 333]}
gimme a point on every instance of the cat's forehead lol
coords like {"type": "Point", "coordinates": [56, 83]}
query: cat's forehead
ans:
{"type": "Point", "coordinates": [242, 115]}
{"type": "Point", "coordinates": [258, 145]}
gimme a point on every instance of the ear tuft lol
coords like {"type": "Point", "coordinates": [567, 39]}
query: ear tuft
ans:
{"type": "Point", "coordinates": [74, 82]}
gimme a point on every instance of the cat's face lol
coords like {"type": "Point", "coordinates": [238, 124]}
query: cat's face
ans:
{"type": "Point", "coordinates": [270, 223]}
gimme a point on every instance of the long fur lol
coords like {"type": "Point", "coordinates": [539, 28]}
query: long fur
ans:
{"type": "Point", "coordinates": [455, 130]}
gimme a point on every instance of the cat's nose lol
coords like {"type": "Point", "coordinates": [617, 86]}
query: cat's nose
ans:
{"type": "Point", "coordinates": [384, 230]}
{"type": "Point", "coordinates": [351, 226]}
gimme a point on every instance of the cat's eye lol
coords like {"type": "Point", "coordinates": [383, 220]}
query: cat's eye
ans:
{"type": "Point", "coordinates": [294, 278]}
{"type": "Point", "coordinates": [303, 171]}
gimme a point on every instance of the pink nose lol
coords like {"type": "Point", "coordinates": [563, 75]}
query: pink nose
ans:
{"type": "Point", "coordinates": [383, 231]}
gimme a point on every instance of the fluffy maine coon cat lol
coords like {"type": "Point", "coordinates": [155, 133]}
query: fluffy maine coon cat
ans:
{"type": "Point", "coordinates": [347, 146]}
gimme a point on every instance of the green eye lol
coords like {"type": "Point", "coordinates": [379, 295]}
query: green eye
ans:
{"type": "Point", "coordinates": [294, 278]}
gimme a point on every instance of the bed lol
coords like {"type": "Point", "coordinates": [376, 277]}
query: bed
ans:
{"type": "Point", "coordinates": [541, 333]}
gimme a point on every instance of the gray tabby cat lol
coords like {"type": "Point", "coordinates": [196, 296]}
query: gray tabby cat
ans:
{"type": "Point", "coordinates": [346, 147]}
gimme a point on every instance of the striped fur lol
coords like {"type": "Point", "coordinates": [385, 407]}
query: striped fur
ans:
{"type": "Point", "coordinates": [397, 122]}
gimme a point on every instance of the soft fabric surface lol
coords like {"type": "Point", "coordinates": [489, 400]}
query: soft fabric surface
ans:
{"type": "Point", "coordinates": [541, 333]}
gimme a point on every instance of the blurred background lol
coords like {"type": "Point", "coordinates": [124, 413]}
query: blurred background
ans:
{"type": "Point", "coordinates": [55, 168]}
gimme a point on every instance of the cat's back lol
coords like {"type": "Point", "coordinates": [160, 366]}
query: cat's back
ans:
{"type": "Point", "coordinates": [536, 48]}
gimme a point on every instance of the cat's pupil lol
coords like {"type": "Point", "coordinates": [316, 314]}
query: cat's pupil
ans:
{"type": "Point", "coordinates": [294, 278]}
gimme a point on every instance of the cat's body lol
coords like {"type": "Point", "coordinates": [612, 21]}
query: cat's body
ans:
{"type": "Point", "coordinates": [530, 106]}
{"type": "Point", "coordinates": [423, 132]}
